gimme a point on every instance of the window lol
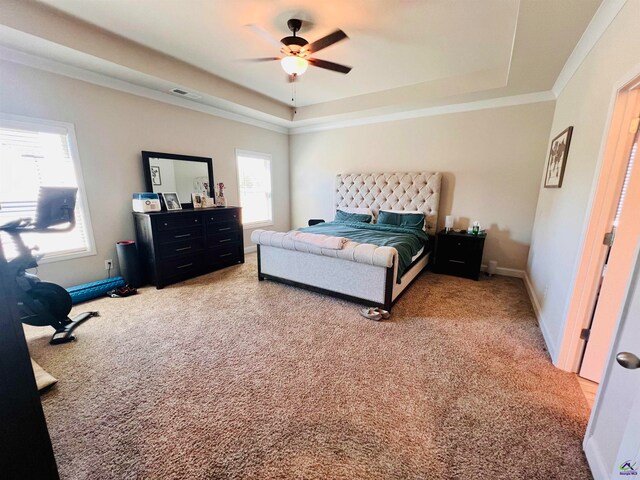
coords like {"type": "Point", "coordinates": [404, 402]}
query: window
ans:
{"type": "Point", "coordinates": [254, 183]}
{"type": "Point", "coordinates": [35, 153]}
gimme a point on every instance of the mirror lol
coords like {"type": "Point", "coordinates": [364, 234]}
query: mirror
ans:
{"type": "Point", "coordinates": [183, 174]}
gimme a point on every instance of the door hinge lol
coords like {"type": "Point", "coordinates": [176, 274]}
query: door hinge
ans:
{"type": "Point", "coordinates": [635, 123]}
{"type": "Point", "coordinates": [584, 334]}
{"type": "Point", "coordinates": [608, 239]}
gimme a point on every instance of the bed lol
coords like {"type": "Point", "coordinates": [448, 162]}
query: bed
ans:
{"type": "Point", "coordinates": [359, 272]}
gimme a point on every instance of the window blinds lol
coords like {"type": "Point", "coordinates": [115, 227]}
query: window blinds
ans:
{"type": "Point", "coordinates": [31, 157]}
{"type": "Point", "coordinates": [254, 180]}
{"type": "Point", "coordinates": [625, 184]}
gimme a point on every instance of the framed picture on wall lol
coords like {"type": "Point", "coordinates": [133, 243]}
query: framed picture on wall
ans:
{"type": "Point", "coordinates": [558, 159]}
{"type": "Point", "coordinates": [155, 175]}
{"type": "Point", "coordinates": [171, 200]}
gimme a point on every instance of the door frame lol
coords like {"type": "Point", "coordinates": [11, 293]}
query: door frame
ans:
{"type": "Point", "coordinates": [604, 197]}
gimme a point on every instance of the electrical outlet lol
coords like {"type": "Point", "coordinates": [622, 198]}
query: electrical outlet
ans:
{"type": "Point", "coordinates": [108, 264]}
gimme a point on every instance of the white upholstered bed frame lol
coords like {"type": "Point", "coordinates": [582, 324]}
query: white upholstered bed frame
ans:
{"type": "Point", "coordinates": [358, 280]}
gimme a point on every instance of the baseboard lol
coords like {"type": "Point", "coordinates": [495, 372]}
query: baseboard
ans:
{"type": "Point", "coordinates": [537, 308]}
{"type": "Point", "coordinates": [597, 466]}
{"type": "Point", "coordinates": [507, 272]}
{"type": "Point", "coordinates": [251, 249]}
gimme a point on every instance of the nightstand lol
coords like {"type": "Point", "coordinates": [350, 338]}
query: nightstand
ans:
{"type": "Point", "coordinates": [459, 254]}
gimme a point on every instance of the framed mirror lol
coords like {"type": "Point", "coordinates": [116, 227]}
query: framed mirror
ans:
{"type": "Point", "coordinates": [182, 174]}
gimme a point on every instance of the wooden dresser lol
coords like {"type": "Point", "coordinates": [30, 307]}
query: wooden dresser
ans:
{"type": "Point", "coordinates": [181, 244]}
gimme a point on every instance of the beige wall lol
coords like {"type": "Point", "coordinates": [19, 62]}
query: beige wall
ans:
{"type": "Point", "coordinates": [112, 128]}
{"type": "Point", "coordinates": [562, 213]}
{"type": "Point", "coordinates": [491, 160]}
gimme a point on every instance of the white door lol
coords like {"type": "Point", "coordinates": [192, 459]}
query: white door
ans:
{"type": "Point", "coordinates": [612, 443]}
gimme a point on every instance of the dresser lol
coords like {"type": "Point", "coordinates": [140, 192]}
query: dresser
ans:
{"type": "Point", "coordinates": [176, 245]}
{"type": "Point", "coordinates": [459, 254]}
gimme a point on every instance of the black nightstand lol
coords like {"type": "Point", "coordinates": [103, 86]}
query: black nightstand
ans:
{"type": "Point", "coordinates": [459, 254]}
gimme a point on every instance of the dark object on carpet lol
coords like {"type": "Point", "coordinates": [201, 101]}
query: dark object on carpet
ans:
{"type": "Point", "coordinates": [223, 376]}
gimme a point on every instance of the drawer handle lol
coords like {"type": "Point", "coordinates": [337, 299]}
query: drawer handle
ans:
{"type": "Point", "coordinates": [226, 255]}
{"type": "Point", "coordinates": [456, 261]}
{"type": "Point", "coordinates": [183, 249]}
{"type": "Point", "coordinates": [182, 236]}
{"type": "Point", "coordinates": [224, 229]}
{"type": "Point", "coordinates": [196, 220]}
{"type": "Point", "coordinates": [165, 224]}
{"type": "Point", "coordinates": [186, 265]}
{"type": "Point", "coordinates": [225, 240]}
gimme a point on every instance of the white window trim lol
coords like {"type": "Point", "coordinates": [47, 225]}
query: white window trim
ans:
{"type": "Point", "coordinates": [54, 126]}
{"type": "Point", "coordinates": [266, 156]}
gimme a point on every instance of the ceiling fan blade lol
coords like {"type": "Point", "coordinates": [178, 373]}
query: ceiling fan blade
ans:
{"type": "Point", "coordinates": [261, 59]}
{"type": "Point", "coordinates": [265, 35]}
{"type": "Point", "coordinates": [326, 41]}
{"type": "Point", "coordinates": [336, 67]}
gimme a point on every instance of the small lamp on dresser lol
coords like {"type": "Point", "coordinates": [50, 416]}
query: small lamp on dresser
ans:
{"type": "Point", "coordinates": [448, 223]}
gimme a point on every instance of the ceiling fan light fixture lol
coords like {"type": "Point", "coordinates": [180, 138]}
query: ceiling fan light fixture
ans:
{"type": "Point", "coordinates": [294, 65]}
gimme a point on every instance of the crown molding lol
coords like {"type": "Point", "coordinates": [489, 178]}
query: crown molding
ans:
{"type": "Point", "coordinates": [283, 126]}
{"type": "Point", "coordinates": [54, 66]}
{"type": "Point", "coordinates": [601, 20]}
{"type": "Point", "coordinates": [536, 97]}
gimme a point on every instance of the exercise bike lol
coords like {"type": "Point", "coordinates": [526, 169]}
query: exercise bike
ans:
{"type": "Point", "coordinates": [42, 303]}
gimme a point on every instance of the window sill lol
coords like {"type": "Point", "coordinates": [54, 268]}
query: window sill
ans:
{"type": "Point", "coordinates": [52, 258]}
{"type": "Point", "coordinates": [253, 226]}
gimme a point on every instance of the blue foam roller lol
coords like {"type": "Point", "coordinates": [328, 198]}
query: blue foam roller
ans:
{"type": "Point", "coordinates": [88, 291]}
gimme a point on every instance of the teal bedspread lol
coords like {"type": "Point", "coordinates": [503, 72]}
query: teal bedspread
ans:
{"type": "Point", "coordinates": [407, 241]}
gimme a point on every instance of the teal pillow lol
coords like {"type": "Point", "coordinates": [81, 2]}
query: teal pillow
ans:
{"type": "Point", "coordinates": [342, 216]}
{"type": "Point", "coordinates": [410, 220]}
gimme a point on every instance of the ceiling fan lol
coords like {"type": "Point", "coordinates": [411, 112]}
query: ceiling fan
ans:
{"type": "Point", "coordinates": [297, 51]}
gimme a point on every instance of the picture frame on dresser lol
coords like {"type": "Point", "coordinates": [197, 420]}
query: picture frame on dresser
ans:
{"type": "Point", "coordinates": [171, 201]}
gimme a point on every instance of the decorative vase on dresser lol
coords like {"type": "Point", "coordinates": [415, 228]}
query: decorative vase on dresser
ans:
{"type": "Point", "coordinates": [177, 245]}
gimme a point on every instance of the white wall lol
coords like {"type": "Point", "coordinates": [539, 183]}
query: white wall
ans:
{"type": "Point", "coordinates": [112, 129]}
{"type": "Point", "coordinates": [491, 160]}
{"type": "Point", "coordinates": [562, 213]}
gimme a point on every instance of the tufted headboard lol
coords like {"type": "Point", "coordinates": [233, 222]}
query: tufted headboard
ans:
{"type": "Point", "coordinates": [392, 191]}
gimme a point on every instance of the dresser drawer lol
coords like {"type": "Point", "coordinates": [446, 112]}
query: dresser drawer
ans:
{"type": "Point", "coordinates": [182, 266]}
{"type": "Point", "coordinates": [224, 255]}
{"type": "Point", "coordinates": [214, 216]}
{"type": "Point", "coordinates": [224, 238]}
{"type": "Point", "coordinates": [170, 222]}
{"type": "Point", "coordinates": [222, 228]}
{"type": "Point", "coordinates": [181, 248]}
{"type": "Point", "coordinates": [179, 235]}
{"type": "Point", "coordinates": [459, 250]}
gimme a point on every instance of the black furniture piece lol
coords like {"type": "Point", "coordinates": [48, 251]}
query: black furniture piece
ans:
{"type": "Point", "coordinates": [459, 254]}
{"type": "Point", "coordinates": [43, 304]}
{"type": "Point", "coordinates": [26, 447]}
{"type": "Point", "coordinates": [181, 244]}
{"type": "Point", "coordinates": [315, 221]}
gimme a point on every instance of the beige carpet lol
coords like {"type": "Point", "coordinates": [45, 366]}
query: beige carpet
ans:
{"type": "Point", "coordinates": [227, 377]}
